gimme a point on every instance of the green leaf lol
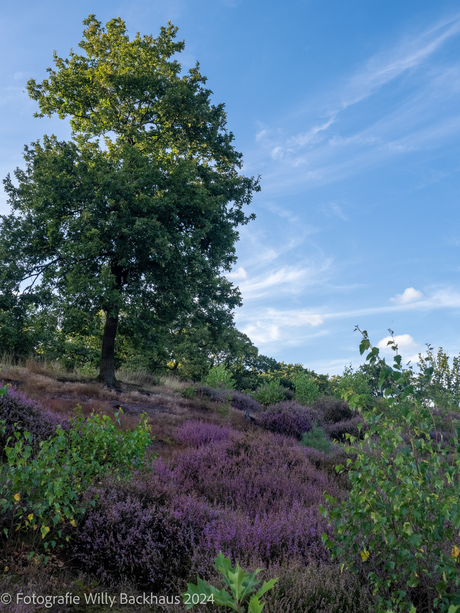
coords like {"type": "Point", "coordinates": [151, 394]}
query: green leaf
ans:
{"type": "Point", "coordinates": [267, 585]}
{"type": "Point", "coordinates": [255, 606]}
{"type": "Point", "coordinates": [221, 597]}
{"type": "Point", "coordinates": [364, 345]}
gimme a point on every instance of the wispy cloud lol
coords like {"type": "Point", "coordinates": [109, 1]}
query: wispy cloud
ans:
{"type": "Point", "coordinates": [293, 326]}
{"type": "Point", "coordinates": [288, 317]}
{"type": "Point", "coordinates": [327, 150]}
{"type": "Point", "coordinates": [303, 139]}
{"type": "Point", "coordinates": [443, 298]}
{"type": "Point", "coordinates": [268, 336]}
{"type": "Point", "coordinates": [287, 279]}
{"type": "Point", "coordinates": [333, 209]}
{"type": "Point", "coordinates": [391, 63]}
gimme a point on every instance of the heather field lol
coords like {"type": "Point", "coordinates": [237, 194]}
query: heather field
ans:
{"type": "Point", "coordinates": [167, 473]}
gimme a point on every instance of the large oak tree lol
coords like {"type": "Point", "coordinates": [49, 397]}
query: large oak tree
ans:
{"type": "Point", "coordinates": [137, 214]}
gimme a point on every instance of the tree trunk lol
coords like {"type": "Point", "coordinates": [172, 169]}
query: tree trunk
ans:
{"type": "Point", "coordinates": [107, 367]}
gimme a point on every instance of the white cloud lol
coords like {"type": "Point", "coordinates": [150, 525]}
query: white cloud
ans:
{"type": "Point", "coordinates": [278, 152]}
{"type": "Point", "coordinates": [442, 298]}
{"type": "Point", "coordinates": [302, 139]}
{"type": "Point", "coordinates": [332, 367]}
{"type": "Point", "coordinates": [405, 342]}
{"type": "Point", "coordinates": [261, 333]}
{"type": "Point", "coordinates": [20, 76]}
{"type": "Point", "coordinates": [261, 134]}
{"type": "Point", "coordinates": [306, 138]}
{"type": "Point", "coordinates": [262, 284]}
{"type": "Point", "coordinates": [409, 295]}
{"type": "Point", "coordinates": [240, 273]}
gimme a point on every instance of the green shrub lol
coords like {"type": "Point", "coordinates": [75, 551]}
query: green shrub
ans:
{"type": "Point", "coordinates": [188, 392]}
{"type": "Point", "coordinates": [306, 390]}
{"type": "Point", "coordinates": [316, 438]}
{"type": "Point", "coordinates": [219, 376]}
{"type": "Point", "coordinates": [356, 383]}
{"type": "Point", "coordinates": [269, 393]}
{"type": "Point", "coordinates": [402, 519]}
{"type": "Point", "coordinates": [40, 493]}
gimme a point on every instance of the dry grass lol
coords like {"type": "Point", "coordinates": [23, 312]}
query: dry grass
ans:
{"type": "Point", "coordinates": [141, 378]}
{"type": "Point", "coordinates": [35, 367]}
{"type": "Point", "coordinates": [173, 383]}
{"type": "Point", "coordinates": [152, 383]}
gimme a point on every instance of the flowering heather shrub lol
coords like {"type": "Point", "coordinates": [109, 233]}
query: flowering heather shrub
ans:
{"type": "Point", "coordinates": [339, 429]}
{"type": "Point", "coordinates": [256, 473]}
{"type": "Point", "coordinates": [255, 496]}
{"type": "Point", "coordinates": [328, 461]}
{"type": "Point", "coordinates": [213, 394]}
{"type": "Point", "coordinates": [269, 491]}
{"type": "Point", "coordinates": [332, 410]}
{"type": "Point", "coordinates": [445, 420]}
{"type": "Point", "coordinates": [122, 537]}
{"type": "Point", "coordinates": [291, 535]}
{"type": "Point", "coordinates": [195, 433]}
{"type": "Point", "coordinates": [20, 413]}
{"type": "Point", "coordinates": [245, 403]}
{"type": "Point", "coordinates": [441, 436]}
{"type": "Point", "coordinates": [289, 418]}
{"type": "Point", "coordinates": [19, 608]}
{"type": "Point", "coordinates": [294, 406]}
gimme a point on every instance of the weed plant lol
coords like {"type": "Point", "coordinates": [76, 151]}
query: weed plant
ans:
{"type": "Point", "coordinates": [242, 586]}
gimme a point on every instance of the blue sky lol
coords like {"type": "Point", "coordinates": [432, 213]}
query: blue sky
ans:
{"type": "Point", "coordinates": [350, 111]}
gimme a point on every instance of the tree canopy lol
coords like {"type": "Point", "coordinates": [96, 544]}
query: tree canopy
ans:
{"type": "Point", "coordinates": [137, 214]}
